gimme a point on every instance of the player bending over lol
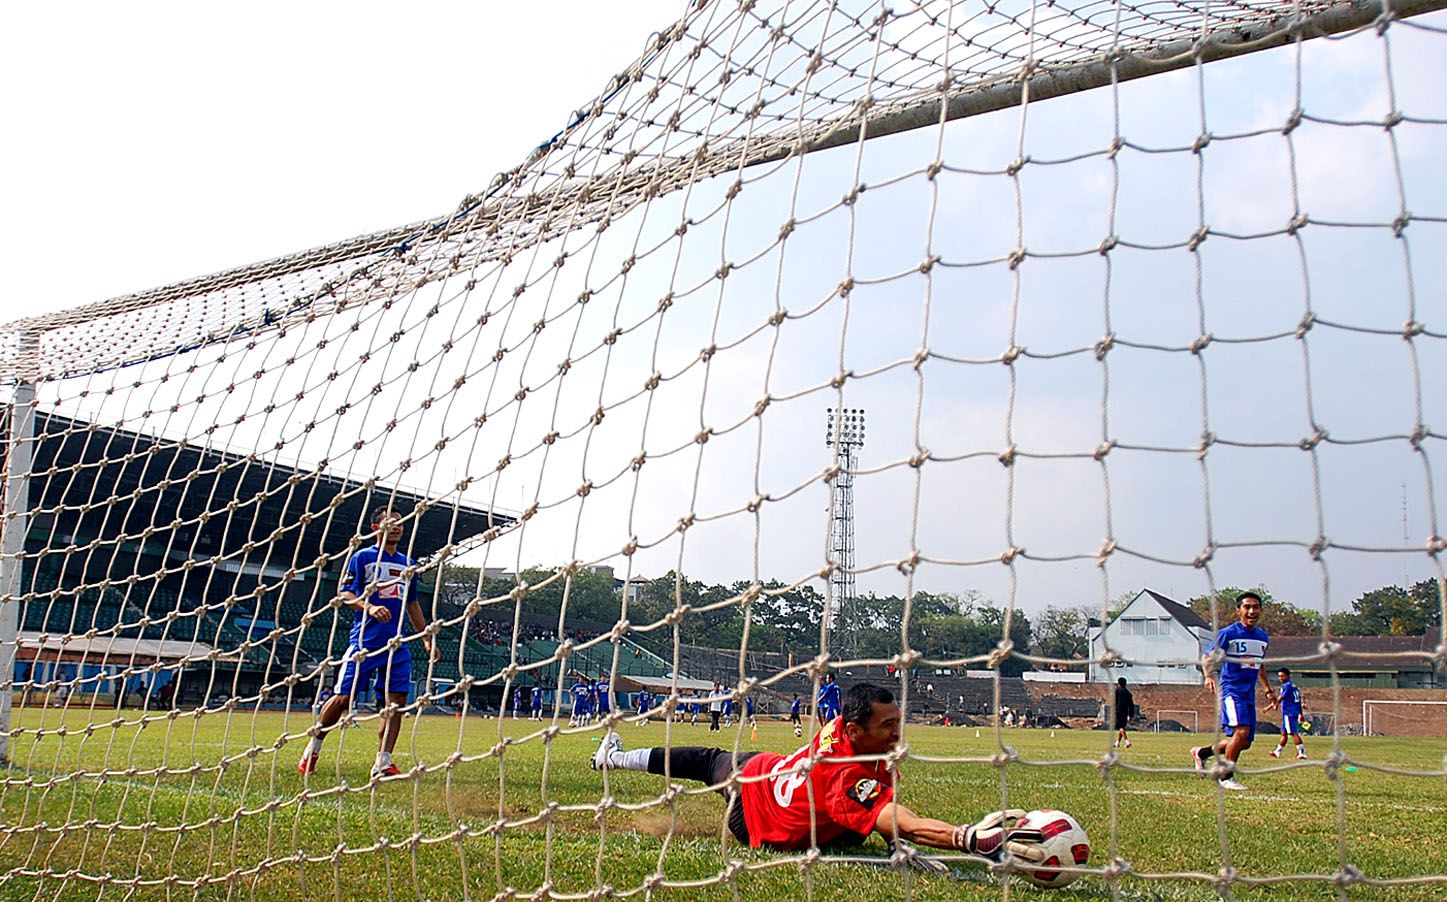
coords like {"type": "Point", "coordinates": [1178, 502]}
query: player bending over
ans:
{"type": "Point", "coordinates": [375, 584]}
{"type": "Point", "coordinates": [1290, 699]}
{"type": "Point", "coordinates": [849, 799]}
{"type": "Point", "coordinates": [1245, 646]}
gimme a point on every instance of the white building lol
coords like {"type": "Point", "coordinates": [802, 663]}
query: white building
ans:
{"type": "Point", "coordinates": [1156, 641]}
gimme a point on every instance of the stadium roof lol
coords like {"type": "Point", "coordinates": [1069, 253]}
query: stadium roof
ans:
{"type": "Point", "coordinates": [1183, 615]}
{"type": "Point", "coordinates": [96, 483]}
{"type": "Point", "coordinates": [113, 650]}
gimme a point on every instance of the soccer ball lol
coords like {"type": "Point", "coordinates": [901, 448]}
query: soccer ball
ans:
{"type": "Point", "coordinates": [1064, 844]}
{"type": "Point", "coordinates": [798, 730]}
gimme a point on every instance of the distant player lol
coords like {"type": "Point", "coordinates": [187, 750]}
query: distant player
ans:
{"type": "Point", "coordinates": [1245, 646]}
{"type": "Point", "coordinates": [749, 710]}
{"type": "Point", "coordinates": [842, 803]}
{"type": "Point", "coordinates": [605, 703]}
{"type": "Point", "coordinates": [1290, 699]}
{"type": "Point", "coordinates": [728, 712]}
{"type": "Point", "coordinates": [715, 707]}
{"type": "Point", "coordinates": [579, 692]}
{"type": "Point", "coordinates": [537, 700]}
{"type": "Point", "coordinates": [378, 587]}
{"type": "Point", "coordinates": [517, 701]}
{"type": "Point", "coordinates": [796, 710]}
{"type": "Point", "coordinates": [829, 704]}
{"type": "Point", "coordinates": [1124, 711]}
{"type": "Point", "coordinates": [592, 703]}
{"type": "Point", "coordinates": [645, 702]}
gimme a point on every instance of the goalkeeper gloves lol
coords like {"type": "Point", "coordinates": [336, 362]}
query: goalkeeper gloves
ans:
{"type": "Point", "coordinates": [997, 832]}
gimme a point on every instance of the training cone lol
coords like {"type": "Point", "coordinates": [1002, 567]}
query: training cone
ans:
{"type": "Point", "coordinates": [1052, 734]}
{"type": "Point", "coordinates": [754, 735]}
{"type": "Point", "coordinates": [977, 734]}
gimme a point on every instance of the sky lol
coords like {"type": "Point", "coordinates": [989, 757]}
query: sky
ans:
{"type": "Point", "coordinates": [161, 142]}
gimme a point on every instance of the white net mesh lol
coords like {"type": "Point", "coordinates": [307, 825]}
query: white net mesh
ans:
{"type": "Point", "coordinates": [1110, 331]}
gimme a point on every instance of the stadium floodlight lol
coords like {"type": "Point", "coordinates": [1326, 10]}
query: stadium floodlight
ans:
{"type": "Point", "coordinates": [845, 433]}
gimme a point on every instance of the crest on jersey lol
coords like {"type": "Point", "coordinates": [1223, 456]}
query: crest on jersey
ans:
{"type": "Point", "coordinates": [865, 792]}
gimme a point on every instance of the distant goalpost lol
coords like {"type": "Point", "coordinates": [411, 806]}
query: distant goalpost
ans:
{"type": "Point", "coordinates": [1101, 275]}
{"type": "Point", "coordinates": [1195, 719]}
{"type": "Point", "coordinates": [1372, 717]}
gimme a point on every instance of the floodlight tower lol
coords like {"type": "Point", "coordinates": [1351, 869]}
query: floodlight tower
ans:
{"type": "Point", "coordinates": [846, 434]}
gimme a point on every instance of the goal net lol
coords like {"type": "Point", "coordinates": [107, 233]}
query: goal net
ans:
{"type": "Point", "coordinates": [1127, 295]}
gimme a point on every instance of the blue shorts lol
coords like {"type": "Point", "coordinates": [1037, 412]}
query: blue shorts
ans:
{"type": "Point", "coordinates": [1291, 723]}
{"type": "Point", "coordinates": [393, 672]}
{"type": "Point", "coordinates": [1239, 711]}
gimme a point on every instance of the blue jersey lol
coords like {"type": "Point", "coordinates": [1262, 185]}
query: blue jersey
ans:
{"type": "Point", "coordinates": [537, 698]}
{"type": "Point", "coordinates": [1247, 645]}
{"type": "Point", "coordinates": [580, 697]}
{"type": "Point", "coordinates": [749, 705]}
{"type": "Point", "coordinates": [517, 699]}
{"type": "Point", "coordinates": [644, 700]}
{"type": "Point", "coordinates": [1290, 699]}
{"type": "Point", "coordinates": [377, 577]}
{"type": "Point", "coordinates": [829, 698]}
{"type": "Point", "coordinates": [604, 705]}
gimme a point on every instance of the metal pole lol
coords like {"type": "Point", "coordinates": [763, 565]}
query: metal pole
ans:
{"type": "Point", "coordinates": [19, 450]}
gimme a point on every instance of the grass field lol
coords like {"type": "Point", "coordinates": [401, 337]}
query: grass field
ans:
{"type": "Point", "coordinates": [254, 821]}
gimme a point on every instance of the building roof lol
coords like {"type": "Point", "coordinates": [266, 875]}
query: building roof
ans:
{"type": "Point", "coordinates": [113, 651]}
{"type": "Point", "coordinates": [1182, 614]}
{"type": "Point", "coordinates": [1388, 652]}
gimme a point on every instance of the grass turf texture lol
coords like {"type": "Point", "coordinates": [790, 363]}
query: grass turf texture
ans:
{"type": "Point", "coordinates": [352, 837]}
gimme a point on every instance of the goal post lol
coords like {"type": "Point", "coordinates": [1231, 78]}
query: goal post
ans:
{"type": "Point", "coordinates": [1103, 318]}
{"type": "Point", "coordinates": [1192, 713]}
{"type": "Point", "coordinates": [1404, 717]}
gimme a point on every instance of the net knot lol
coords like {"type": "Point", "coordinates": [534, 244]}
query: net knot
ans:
{"type": "Point", "coordinates": [1312, 440]}
{"type": "Point", "coordinates": [1399, 225]}
{"type": "Point", "coordinates": [1103, 449]}
{"type": "Point", "coordinates": [1106, 550]}
{"type": "Point", "coordinates": [1202, 141]}
{"type": "Point", "coordinates": [1329, 650]}
{"type": "Point", "coordinates": [1293, 121]}
{"type": "Point", "coordinates": [1316, 548]}
{"type": "Point", "coordinates": [1000, 653]}
{"type": "Point", "coordinates": [1007, 457]}
{"type": "Point", "coordinates": [1224, 878]}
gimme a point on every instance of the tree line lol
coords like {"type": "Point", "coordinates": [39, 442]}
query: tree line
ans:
{"type": "Point", "coordinates": [780, 618]}
{"type": "Point", "coordinates": [942, 626]}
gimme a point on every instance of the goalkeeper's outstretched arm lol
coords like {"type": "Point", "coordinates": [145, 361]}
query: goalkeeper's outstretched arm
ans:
{"type": "Point", "coordinates": [987, 838]}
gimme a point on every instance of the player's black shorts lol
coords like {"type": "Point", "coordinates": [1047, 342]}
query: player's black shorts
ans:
{"type": "Point", "coordinates": [706, 765]}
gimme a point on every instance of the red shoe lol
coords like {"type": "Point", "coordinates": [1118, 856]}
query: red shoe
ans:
{"type": "Point", "coordinates": [388, 771]}
{"type": "Point", "coordinates": [308, 764]}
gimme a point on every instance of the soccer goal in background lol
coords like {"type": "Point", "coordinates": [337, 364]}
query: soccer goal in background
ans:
{"type": "Point", "coordinates": [1399, 717]}
{"type": "Point", "coordinates": [1103, 278]}
{"type": "Point", "coordinates": [1182, 717]}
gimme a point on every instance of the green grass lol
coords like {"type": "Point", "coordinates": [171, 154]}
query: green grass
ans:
{"type": "Point", "coordinates": [259, 832]}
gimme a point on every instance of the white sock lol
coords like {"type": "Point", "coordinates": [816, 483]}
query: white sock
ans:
{"type": "Point", "coordinates": [636, 759]}
{"type": "Point", "coordinates": [383, 759]}
{"type": "Point", "coordinates": [315, 746]}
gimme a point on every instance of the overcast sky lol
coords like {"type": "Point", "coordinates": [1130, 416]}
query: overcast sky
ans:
{"type": "Point", "coordinates": [154, 143]}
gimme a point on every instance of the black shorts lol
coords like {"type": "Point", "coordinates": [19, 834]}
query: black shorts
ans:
{"type": "Point", "coordinates": [710, 766]}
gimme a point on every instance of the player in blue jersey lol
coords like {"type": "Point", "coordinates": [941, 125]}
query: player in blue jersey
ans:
{"type": "Point", "coordinates": [537, 700]}
{"type": "Point", "coordinates": [796, 708]}
{"type": "Point", "coordinates": [1290, 698]}
{"type": "Point", "coordinates": [517, 700]}
{"type": "Point", "coordinates": [579, 691]}
{"type": "Point", "coordinates": [645, 701]}
{"type": "Point", "coordinates": [380, 585]}
{"type": "Point", "coordinates": [1244, 644]}
{"type": "Point", "coordinates": [605, 702]}
{"type": "Point", "coordinates": [829, 701]}
{"type": "Point", "coordinates": [749, 710]}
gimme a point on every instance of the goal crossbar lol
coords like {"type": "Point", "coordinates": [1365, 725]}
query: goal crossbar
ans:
{"type": "Point", "coordinates": [1367, 704]}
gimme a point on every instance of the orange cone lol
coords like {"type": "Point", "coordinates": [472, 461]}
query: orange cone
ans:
{"type": "Point", "coordinates": [754, 735]}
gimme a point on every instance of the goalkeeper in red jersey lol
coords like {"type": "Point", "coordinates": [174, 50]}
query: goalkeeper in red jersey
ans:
{"type": "Point", "coordinates": [832, 800]}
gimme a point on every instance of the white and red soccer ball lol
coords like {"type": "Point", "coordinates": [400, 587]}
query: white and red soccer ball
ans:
{"type": "Point", "coordinates": [1064, 844]}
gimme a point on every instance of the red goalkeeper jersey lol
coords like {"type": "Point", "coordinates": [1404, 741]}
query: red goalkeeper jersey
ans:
{"type": "Point", "coordinates": [846, 795]}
